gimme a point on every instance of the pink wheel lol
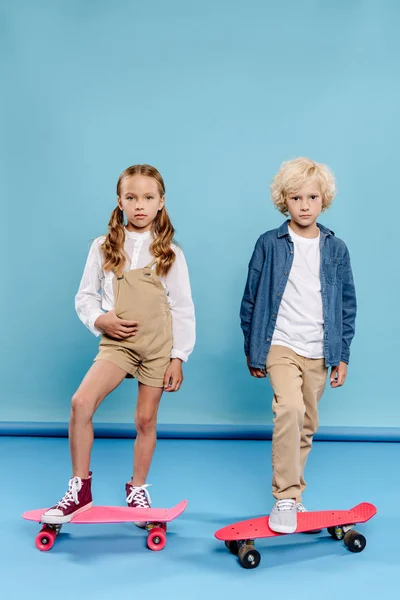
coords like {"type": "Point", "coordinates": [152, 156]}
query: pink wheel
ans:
{"type": "Point", "coordinates": [156, 539]}
{"type": "Point", "coordinates": [45, 539]}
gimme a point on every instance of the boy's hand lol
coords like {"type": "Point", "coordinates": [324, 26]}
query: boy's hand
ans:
{"type": "Point", "coordinates": [338, 375]}
{"type": "Point", "coordinates": [173, 376]}
{"type": "Point", "coordinates": [255, 372]}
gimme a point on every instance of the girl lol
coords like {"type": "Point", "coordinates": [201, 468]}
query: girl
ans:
{"type": "Point", "coordinates": [148, 329]}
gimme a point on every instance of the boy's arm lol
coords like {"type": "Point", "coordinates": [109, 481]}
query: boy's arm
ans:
{"type": "Point", "coordinates": [250, 292]}
{"type": "Point", "coordinates": [349, 308]}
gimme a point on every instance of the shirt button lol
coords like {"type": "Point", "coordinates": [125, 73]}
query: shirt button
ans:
{"type": "Point", "coordinates": [291, 252]}
{"type": "Point", "coordinates": [279, 294]}
{"type": "Point", "coordinates": [273, 316]}
{"type": "Point", "coordinates": [286, 272]}
{"type": "Point", "coordinates": [268, 339]}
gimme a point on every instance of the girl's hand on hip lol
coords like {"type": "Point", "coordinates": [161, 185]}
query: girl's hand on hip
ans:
{"type": "Point", "coordinates": [114, 327]}
{"type": "Point", "coordinates": [338, 375]}
{"type": "Point", "coordinates": [173, 376]}
{"type": "Point", "coordinates": [258, 373]}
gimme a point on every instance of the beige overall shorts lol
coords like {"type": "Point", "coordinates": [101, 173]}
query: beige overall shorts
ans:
{"type": "Point", "coordinates": [140, 296]}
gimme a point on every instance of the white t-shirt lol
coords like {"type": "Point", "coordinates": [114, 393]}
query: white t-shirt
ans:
{"type": "Point", "coordinates": [300, 320]}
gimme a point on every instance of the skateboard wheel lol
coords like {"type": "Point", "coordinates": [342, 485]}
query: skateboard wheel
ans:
{"type": "Point", "coordinates": [233, 547]}
{"type": "Point", "coordinates": [45, 539]}
{"type": "Point", "coordinates": [336, 532]}
{"type": "Point", "coordinates": [249, 557]}
{"type": "Point", "coordinates": [355, 541]}
{"type": "Point", "coordinates": [156, 539]}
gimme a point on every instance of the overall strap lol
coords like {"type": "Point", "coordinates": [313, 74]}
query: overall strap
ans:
{"type": "Point", "coordinates": [119, 275]}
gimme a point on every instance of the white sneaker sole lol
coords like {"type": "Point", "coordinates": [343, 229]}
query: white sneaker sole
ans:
{"type": "Point", "coordinates": [282, 528]}
{"type": "Point", "coordinates": [58, 520]}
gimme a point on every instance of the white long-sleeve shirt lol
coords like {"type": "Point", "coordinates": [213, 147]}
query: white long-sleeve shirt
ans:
{"type": "Point", "coordinates": [96, 294]}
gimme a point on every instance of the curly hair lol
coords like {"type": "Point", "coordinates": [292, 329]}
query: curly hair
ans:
{"type": "Point", "coordinates": [293, 174]}
{"type": "Point", "coordinates": [163, 232]}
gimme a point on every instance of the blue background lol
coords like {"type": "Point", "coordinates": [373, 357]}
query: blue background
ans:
{"type": "Point", "coordinates": [215, 95]}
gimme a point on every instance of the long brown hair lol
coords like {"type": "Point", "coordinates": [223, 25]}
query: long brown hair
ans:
{"type": "Point", "coordinates": [163, 231]}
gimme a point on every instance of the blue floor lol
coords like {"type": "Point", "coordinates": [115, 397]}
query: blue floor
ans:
{"type": "Point", "coordinates": [224, 481]}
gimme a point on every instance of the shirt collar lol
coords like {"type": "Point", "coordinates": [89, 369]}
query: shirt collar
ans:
{"type": "Point", "coordinates": [137, 236]}
{"type": "Point", "coordinates": [283, 230]}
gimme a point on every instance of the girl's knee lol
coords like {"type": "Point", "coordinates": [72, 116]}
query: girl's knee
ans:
{"type": "Point", "coordinates": [145, 423]}
{"type": "Point", "coordinates": [82, 405]}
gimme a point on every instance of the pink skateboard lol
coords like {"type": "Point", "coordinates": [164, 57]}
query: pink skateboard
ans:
{"type": "Point", "coordinates": [239, 537]}
{"type": "Point", "coordinates": [156, 522]}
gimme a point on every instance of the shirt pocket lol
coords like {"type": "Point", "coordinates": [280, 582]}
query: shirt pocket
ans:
{"type": "Point", "coordinates": [334, 270]}
{"type": "Point", "coordinates": [108, 284]}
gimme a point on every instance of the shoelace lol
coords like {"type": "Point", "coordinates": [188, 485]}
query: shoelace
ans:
{"type": "Point", "coordinates": [71, 495]}
{"type": "Point", "coordinates": [140, 495]}
{"type": "Point", "coordinates": [283, 505]}
{"type": "Point", "coordinates": [300, 507]}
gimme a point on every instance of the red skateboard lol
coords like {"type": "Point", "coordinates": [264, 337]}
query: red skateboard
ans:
{"type": "Point", "coordinates": [156, 522]}
{"type": "Point", "coordinates": [239, 537]}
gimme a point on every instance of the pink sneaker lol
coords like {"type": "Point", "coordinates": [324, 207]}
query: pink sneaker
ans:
{"type": "Point", "coordinates": [77, 499]}
{"type": "Point", "coordinates": [138, 497]}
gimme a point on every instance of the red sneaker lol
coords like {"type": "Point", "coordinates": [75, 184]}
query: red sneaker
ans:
{"type": "Point", "coordinates": [77, 499]}
{"type": "Point", "coordinates": [138, 497]}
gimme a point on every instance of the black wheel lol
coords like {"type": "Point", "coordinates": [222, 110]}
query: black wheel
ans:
{"type": "Point", "coordinates": [336, 532]}
{"type": "Point", "coordinates": [355, 541]}
{"type": "Point", "coordinates": [249, 557]}
{"type": "Point", "coordinates": [233, 547]}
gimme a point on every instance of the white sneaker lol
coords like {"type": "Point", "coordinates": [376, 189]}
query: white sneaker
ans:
{"type": "Point", "coordinates": [283, 516]}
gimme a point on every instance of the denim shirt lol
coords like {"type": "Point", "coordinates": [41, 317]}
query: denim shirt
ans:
{"type": "Point", "coordinates": [269, 270]}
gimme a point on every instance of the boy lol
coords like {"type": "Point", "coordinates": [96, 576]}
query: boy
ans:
{"type": "Point", "coordinates": [298, 316]}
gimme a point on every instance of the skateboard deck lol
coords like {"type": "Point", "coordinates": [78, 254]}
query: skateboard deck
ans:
{"type": "Point", "coordinates": [155, 519]}
{"type": "Point", "coordinates": [339, 523]}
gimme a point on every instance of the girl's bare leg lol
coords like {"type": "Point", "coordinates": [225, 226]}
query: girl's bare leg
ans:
{"type": "Point", "coordinates": [101, 379]}
{"type": "Point", "coordinates": [146, 422]}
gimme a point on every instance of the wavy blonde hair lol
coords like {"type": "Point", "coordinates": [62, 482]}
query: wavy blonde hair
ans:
{"type": "Point", "coordinates": [293, 174]}
{"type": "Point", "coordinates": [163, 232]}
